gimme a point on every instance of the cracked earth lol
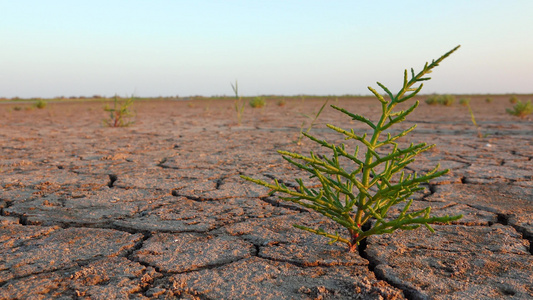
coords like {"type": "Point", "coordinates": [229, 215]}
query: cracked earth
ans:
{"type": "Point", "coordinates": [158, 210]}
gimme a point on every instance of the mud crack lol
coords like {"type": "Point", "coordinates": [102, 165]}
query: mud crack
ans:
{"type": "Point", "coordinates": [407, 291]}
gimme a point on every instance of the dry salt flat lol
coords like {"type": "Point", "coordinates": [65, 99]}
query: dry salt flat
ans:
{"type": "Point", "coordinates": [158, 210]}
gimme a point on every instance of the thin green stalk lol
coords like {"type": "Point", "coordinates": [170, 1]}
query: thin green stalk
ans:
{"type": "Point", "coordinates": [479, 134]}
{"type": "Point", "coordinates": [239, 104]}
{"type": "Point", "coordinates": [302, 133]}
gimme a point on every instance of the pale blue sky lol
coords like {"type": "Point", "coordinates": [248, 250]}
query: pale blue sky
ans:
{"type": "Point", "coordinates": [153, 48]}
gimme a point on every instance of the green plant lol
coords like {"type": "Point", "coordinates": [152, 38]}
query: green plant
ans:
{"type": "Point", "coordinates": [40, 104]}
{"type": "Point", "coordinates": [447, 100]}
{"type": "Point", "coordinates": [120, 114]}
{"type": "Point", "coordinates": [367, 188]}
{"type": "Point", "coordinates": [521, 109]}
{"type": "Point", "coordinates": [313, 120]}
{"type": "Point", "coordinates": [239, 104]}
{"type": "Point", "coordinates": [465, 102]}
{"type": "Point", "coordinates": [473, 118]}
{"type": "Point", "coordinates": [257, 102]}
{"type": "Point", "coordinates": [433, 100]}
{"type": "Point", "coordinates": [513, 99]}
{"type": "Point", "coordinates": [281, 102]}
{"type": "Point", "coordinates": [489, 100]}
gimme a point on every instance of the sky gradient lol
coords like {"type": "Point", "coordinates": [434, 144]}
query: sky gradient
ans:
{"type": "Point", "coordinates": [168, 48]}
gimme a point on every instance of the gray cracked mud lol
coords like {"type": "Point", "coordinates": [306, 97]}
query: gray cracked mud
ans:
{"type": "Point", "coordinates": [158, 210]}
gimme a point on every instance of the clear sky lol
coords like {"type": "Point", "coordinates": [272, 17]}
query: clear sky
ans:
{"type": "Point", "coordinates": [167, 48]}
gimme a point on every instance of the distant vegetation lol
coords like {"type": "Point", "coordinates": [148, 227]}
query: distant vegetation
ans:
{"type": "Point", "coordinates": [280, 100]}
{"type": "Point", "coordinates": [257, 102]}
{"type": "Point", "coordinates": [464, 101]}
{"type": "Point", "coordinates": [446, 100]}
{"type": "Point", "coordinates": [521, 109]}
{"type": "Point", "coordinates": [40, 104]}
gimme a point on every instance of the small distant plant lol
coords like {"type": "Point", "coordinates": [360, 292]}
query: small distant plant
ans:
{"type": "Point", "coordinates": [367, 188]}
{"type": "Point", "coordinates": [119, 114]}
{"type": "Point", "coordinates": [489, 100]}
{"type": "Point", "coordinates": [313, 120]}
{"type": "Point", "coordinates": [465, 102]}
{"type": "Point", "coordinates": [521, 109]}
{"type": "Point", "coordinates": [433, 100]}
{"type": "Point", "coordinates": [239, 104]}
{"type": "Point", "coordinates": [513, 99]}
{"type": "Point", "coordinates": [40, 104]}
{"type": "Point", "coordinates": [257, 102]}
{"type": "Point", "coordinates": [281, 102]}
{"type": "Point", "coordinates": [473, 118]}
{"type": "Point", "coordinates": [17, 108]}
{"type": "Point", "coordinates": [446, 100]}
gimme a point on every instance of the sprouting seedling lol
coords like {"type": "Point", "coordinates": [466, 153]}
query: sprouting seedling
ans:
{"type": "Point", "coordinates": [359, 196]}
{"type": "Point", "coordinates": [239, 104]}
{"type": "Point", "coordinates": [313, 120]}
{"type": "Point", "coordinates": [479, 134]}
{"type": "Point", "coordinates": [120, 114]}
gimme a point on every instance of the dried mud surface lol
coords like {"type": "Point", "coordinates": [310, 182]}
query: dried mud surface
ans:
{"type": "Point", "coordinates": [158, 210]}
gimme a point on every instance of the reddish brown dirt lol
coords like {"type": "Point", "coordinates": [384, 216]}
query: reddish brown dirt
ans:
{"type": "Point", "coordinates": [158, 210]}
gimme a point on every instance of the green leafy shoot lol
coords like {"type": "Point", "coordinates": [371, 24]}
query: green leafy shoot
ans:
{"type": "Point", "coordinates": [120, 114]}
{"type": "Point", "coordinates": [359, 195]}
{"type": "Point", "coordinates": [239, 104]}
{"type": "Point", "coordinates": [313, 120]}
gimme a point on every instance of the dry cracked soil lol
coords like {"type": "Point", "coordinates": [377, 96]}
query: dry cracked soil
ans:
{"type": "Point", "coordinates": [158, 210]}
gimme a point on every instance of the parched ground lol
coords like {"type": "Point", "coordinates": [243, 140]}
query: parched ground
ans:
{"type": "Point", "coordinates": [158, 210]}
